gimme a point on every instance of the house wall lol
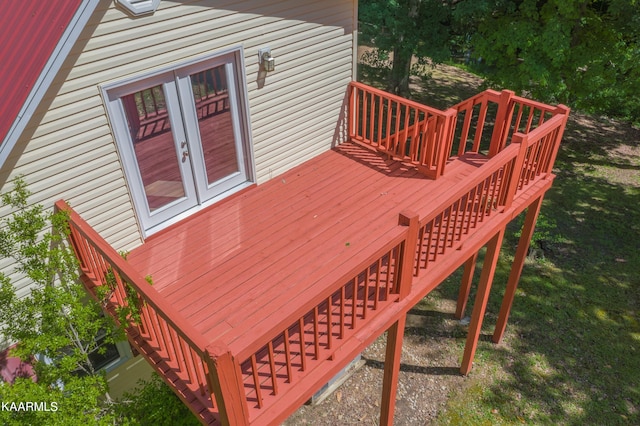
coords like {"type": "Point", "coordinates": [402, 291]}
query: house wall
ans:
{"type": "Point", "coordinates": [68, 150]}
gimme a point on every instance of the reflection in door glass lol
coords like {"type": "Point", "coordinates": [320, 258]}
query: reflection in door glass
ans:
{"type": "Point", "coordinates": [215, 123]}
{"type": "Point", "coordinates": [154, 146]}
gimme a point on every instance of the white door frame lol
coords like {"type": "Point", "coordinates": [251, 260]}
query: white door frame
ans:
{"type": "Point", "coordinates": [198, 194]}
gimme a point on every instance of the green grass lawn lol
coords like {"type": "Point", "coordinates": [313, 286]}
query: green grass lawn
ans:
{"type": "Point", "coordinates": [571, 354]}
{"type": "Point", "coordinates": [572, 351]}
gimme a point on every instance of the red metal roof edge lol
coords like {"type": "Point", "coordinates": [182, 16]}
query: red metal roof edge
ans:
{"type": "Point", "coordinates": [46, 32]}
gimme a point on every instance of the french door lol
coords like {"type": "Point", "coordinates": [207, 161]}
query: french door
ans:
{"type": "Point", "coordinates": [182, 137]}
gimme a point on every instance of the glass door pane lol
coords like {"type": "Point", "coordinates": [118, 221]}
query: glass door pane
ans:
{"type": "Point", "coordinates": [215, 123]}
{"type": "Point", "coordinates": [154, 147]}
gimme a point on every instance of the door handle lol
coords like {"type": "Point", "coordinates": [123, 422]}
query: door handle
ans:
{"type": "Point", "coordinates": [185, 154]}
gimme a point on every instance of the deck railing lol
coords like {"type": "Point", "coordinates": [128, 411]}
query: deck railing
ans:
{"type": "Point", "coordinates": [539, 149]}
{"type": "Point", "coordinates": [166, 337]}
{"type": "Point", "coordinates": [399, 127]}
{"type": "Point", "coordinates": [295, 343]}
{"type": "Point", "coordinates": [428, 138]}
{"type": "Point", "coordinates": [463, 211]}
{"type": "Point", "coordinates": [491, 188]}
{"type": "Point", "coordinates": [292, 344]}
{"type": "Point", "coordinates": [487, 122]}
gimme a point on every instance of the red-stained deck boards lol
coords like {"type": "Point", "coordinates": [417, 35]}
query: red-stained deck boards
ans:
{"type": "Point", "coordinates": [239, 267]}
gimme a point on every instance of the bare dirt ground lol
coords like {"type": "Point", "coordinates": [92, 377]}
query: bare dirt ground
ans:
{"type": "Point", "coordinates": [428, 372]}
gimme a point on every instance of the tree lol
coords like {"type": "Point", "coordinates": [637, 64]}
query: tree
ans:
{"type": "Point", "coordinates": [583, 53]}
{"type": "Point", "coordinates": [55, 323]}
{"type": "Point", "coordinates": [152, 402]}
{"type": "Point", "coordinates": [57, 327]}
{"type": "Point", "coordinates": [402, 30]}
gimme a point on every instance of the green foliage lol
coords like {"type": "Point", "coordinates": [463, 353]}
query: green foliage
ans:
{"type": "Point", "coordinates": [582, 53]}
{"type": "Point", "coordinates": [58, 322]}
{"type": "Point", "coordinates": [55, 322]}
{"type": "Point", "coordinates": [79, 403]}
{"type": "Point", "coordinates": [403, 29]}
{"type": "Point", "coordinates": [153, 403]}
{"type": "Point", "coordinates": [126, 314]}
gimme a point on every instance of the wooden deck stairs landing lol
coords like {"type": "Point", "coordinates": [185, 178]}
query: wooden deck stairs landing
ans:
{"type": "Point", "coordinates": [485, 160]}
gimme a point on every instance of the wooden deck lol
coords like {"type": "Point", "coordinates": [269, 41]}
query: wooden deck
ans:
{"type": "Point", "coordinates": [260, 299]}
{"type": "Point", "coordinates": [256, 257]}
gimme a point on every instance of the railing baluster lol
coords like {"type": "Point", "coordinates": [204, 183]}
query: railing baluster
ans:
{"type": "Point", "coordinates": [479, 203]}
{"type": "Point", "coordinates": [303, 353]}
{"type": "Point", "coordinates": [388, 128]}
{"type": "Point", "coordinates": [256, 380]}
{"type": "Point", "coordinates": [354, 302]}
{"type": "Point", "coordinates": [448, 229]}
{"type": "Point", "coordinates": [464, 136]}
{"type": "Point", "coordinates": [366, 116]}
{"type": "Point", "coordinates": [272, 367]}
{"type": "Point", "coordinates": [495, 178]}
{"type": "Point", "coordinates": [529, 119]}
{"type": "Point", "coordinates": [429, 243]}
{"type": "Point", "coordinates": [365, 298]}
{"type": "Point", "coordinates": [438, 235]}
{"type": "Point", "coordinates": [329, 322]}
{"type": "Point", "coordinates": [455, 224]}
{"type": "Point", "coordinates": [316, 333]}
{"type": "Point", "coordinates": [198, 369]}
{"type": "Point", "coordinates": [189, 362]}
{"type": "Point", "coordinates": [287, 355]}
{"type": "Point", "coordinates": [342, 320]}
{"type": "Point", "coordinates": [377, 287]}
{"type": "Point", "coordinates": [403, 146]}
{"type": "Point", "coordinates": [166, 338]}
{"type": "Point", "coordinates": [396, 134]}
{"type": "Point", "coordinates": [372, 120]}
{"type": "Point", "coordinates": [480, 126]}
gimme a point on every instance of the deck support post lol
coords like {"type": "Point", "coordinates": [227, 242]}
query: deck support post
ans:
{"type": "Point", "coordinates": [395, 335]}
{"type": "Point", "coordinates": [408, 255]}
{"type": "Point", "coordinates": [226, 380]}
{"type": "Point", "coordinates": [516, 268]}
{"type": "Point", "coordinates": [480, 304]}
{"type": "Point", "coordinates": [465, 285]}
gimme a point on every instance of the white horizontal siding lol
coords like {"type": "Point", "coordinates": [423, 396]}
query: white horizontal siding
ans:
{"type": "Point", "coordinates": [52, 155]}
{"type": "Point", "coordinates": [68, 151]}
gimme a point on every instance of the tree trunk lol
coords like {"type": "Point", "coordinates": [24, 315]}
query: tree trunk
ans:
{"type": "Point", "coordinates": [399, 77]}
